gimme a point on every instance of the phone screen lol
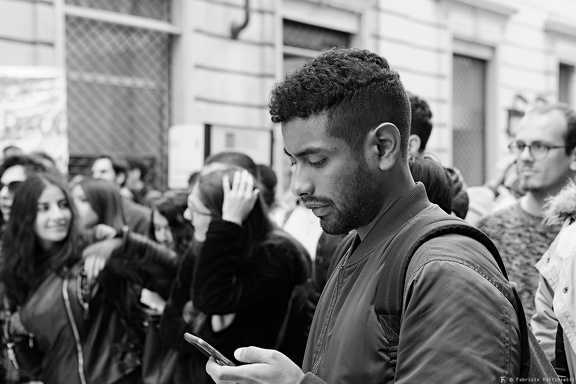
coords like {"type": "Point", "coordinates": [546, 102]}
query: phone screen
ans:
{"type": "Point", "coordinates": [208, 350]}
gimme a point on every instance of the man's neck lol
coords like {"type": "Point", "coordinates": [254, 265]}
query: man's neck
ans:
{"type": "Point", "coordinates": [401, 188]}
{"type": "Point", "coordinates": [533, 203]}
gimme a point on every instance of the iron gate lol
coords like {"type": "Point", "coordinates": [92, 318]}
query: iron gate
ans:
{"type": "Point", "coordinates": [118, 87]}
{"type": "Point", "coordinates": [468, 116]}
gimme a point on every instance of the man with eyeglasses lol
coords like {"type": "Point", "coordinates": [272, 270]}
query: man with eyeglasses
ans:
{"type": "Point", "coordinates": [545, 152]}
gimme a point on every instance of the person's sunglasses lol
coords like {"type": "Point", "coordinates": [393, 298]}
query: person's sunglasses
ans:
{"type": "Point", "coordinates": [12, 187]}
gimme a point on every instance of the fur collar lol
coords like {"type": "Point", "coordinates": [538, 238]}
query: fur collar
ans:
{"type": "Point", "coordinates": [562, 206]}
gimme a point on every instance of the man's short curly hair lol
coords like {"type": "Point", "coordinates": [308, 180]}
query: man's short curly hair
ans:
{"type": "Point", "coordinates": [355, 88]}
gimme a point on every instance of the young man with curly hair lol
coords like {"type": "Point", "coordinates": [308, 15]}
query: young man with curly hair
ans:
{"type": "Point", "coordinates": [345, 122]}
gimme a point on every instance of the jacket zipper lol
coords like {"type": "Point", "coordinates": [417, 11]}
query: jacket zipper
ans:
{"type": "Point", "coordinates": [74, 330]}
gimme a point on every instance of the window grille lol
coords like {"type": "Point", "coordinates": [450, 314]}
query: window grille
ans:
{"type": "Point", "coordinates": [468, 118]}
{"type": "Point", "coordinates": [152, 9]}
{"type": "Point", "coordinates": [565, 77]}
{"type": "Point", "coordinates": [118, 84]}
{"type": "Point", "coordinates": [312, 37]}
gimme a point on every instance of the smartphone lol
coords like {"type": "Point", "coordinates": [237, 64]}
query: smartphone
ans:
{"type": "Point", "coordinates": [208, 350]}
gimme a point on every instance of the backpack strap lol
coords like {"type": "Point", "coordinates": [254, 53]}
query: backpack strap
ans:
{"type": "Point", "coordinates": [389, 298]}
{"type": "Point", "coordinates": [561, 365]}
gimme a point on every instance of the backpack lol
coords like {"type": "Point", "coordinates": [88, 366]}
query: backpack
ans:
{"type": "Point", "coordinates": [534, 365]}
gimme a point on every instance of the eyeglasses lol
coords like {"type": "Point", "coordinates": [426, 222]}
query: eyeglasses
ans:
{"type": "Point", "coordinates": [190, 211]}
{"type": "Point", "coordinates": [12, 187]}
{"type": "Point", "coordinates": [195, 212]}
{"type": "Point", "coordinates": [537, 149]}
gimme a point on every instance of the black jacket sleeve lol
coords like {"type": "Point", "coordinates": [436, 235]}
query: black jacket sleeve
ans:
{"type": "Point", "coordinates": [173, 326]}
{"type": "Point", "coordinates": [145, 262]}
{"type": "Point", "coordinates": [227, 280]}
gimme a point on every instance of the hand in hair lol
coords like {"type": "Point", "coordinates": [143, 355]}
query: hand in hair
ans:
{"type": "Point", "coordinates": [239, 198]}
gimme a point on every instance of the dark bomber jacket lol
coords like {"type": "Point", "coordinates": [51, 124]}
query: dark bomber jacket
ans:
{"type": "Point", "coordinates": [456, 326]}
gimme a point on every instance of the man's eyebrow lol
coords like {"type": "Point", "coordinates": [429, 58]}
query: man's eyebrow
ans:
{"type": "Point", "coordinates": [307, 152]}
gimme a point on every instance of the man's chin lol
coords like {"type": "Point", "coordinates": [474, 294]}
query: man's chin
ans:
{"type": "Point", "coordinates": [527, 186]}
{"type": "Point", "coordinates": [334, 227]}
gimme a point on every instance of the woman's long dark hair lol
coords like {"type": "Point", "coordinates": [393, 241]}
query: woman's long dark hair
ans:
{"type": "Point", "coordinates": [105, 199]}
{"type": "Point", "coordinates": [258, 224]}
{"type": "Point", "coordinates": [25, 262]}
{"type": "Point", "coordinates": [172, 205]}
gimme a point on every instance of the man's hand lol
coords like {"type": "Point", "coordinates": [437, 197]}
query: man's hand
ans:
{"type": "Point", "coordinates": [266, 366]}
{"type": "Point", "coordinates": [239, 198]}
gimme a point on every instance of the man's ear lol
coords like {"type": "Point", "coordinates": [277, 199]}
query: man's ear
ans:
{"type": "Point", "coordinates": [573, 159]}
{"type": "Point", "coordinates": [384, 142]}
{"type": "Point", "coordinates": [414, 144]}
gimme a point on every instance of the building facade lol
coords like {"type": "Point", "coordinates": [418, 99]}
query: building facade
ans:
{"type": "Point", "coordinates": [172, 81]}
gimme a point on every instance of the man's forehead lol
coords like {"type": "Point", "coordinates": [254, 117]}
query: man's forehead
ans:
{"type": "Point", "coordinates": [542, 126]}
{"type": "Point", "coordinates": [308, 136]}
{"type": "Point", "coordinates": [102, 163]}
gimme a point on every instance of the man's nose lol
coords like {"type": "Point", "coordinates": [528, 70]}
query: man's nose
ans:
{"type": "Point", "coordinates": [526, 154]}
{"type": "Point", "coordinates": [301, 183]}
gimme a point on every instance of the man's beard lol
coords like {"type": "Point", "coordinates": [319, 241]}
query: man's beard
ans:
{"type": "Point", "coordinates": [358, 204]}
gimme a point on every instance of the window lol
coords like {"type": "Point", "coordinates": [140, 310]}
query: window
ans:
{"type": "Point", "coordinates": [468, 117]}
{"type": "Point", "coordinates": [118, 86]}
{"type": "Point", "coordinates": [565, 77]}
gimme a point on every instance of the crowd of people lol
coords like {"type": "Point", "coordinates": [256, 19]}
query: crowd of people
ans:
{"type": "Point", "coordinates": [102, 275]}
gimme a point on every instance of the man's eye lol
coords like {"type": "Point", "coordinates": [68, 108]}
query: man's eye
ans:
{"type": "Point", "coordinates": [538, 146]}
{"type": "Point", "coordinates": [317, 163]}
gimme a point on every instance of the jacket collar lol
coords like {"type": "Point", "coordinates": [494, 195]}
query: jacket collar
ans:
{"type": "Point", "coordinates": [392, 220]}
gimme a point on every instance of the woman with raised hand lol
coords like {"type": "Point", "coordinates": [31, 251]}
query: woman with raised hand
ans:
{"type": "Point", "coordinates": [67, 329]}
{"type": "Point", "coordinates": [234, 286]}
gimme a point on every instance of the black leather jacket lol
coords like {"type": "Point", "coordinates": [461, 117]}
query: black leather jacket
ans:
{"type": "Point", "coordinates": [80, 333]}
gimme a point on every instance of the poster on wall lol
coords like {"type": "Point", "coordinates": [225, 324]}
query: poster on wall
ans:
{"type": "Point", "coordinates": [256, 143]}
{"type": "Point", "coordinates": [33, 111]}
{"type": "Point", "coordinates": [185, 153]}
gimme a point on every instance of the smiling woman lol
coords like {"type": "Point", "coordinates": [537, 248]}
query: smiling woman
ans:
{"type": "Point", "coordinates": [53, 217]}
{"type": "Point", "coordinates": [55, 315]}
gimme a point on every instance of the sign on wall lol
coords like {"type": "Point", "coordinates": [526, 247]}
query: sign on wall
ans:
{"type": "Point", "coordinates": [256, 143]}
{"type": "Point", "coordinates": [33, 111]}
{"type": "Point", "coordinates": [185, 153]}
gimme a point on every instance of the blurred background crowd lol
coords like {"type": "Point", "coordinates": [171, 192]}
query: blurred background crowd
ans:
{"type": "Point", "coordinates": [125, 126]}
